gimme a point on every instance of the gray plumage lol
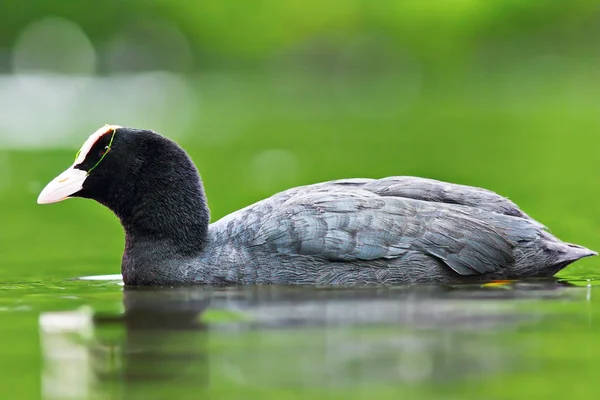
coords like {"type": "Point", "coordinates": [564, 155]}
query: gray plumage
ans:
{"type": "Point", "coordinates": [384, 231]}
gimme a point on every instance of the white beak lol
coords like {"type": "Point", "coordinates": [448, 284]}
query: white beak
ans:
{"type": "Point", "coordinates": [61, 187]}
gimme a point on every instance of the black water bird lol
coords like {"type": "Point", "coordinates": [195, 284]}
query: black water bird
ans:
{"type": "Point", "coordinates": [346, 232]}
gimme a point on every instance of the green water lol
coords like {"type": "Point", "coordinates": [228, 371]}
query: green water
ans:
{"type": "Point", "coordinates": [90, 339]}
{"type": "Point", "coordinates": [68, 338]}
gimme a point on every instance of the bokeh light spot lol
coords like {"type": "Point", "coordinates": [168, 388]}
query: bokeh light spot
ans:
{"type": "Point", "coordinates": [54, 45]}
{"type": "Point", "coordinates": [273, 169]}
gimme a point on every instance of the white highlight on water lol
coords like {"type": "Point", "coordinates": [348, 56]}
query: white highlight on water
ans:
{"type": "Point", "coordinates": [113, 277]}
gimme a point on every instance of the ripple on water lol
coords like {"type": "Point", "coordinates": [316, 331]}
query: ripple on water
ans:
{"type": "Point", "coordinates": [96, 336]}
{"type": "Point", "coordinates": [110, 277]}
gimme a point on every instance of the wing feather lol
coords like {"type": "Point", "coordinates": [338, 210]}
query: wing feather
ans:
{"type": "Point", "coordinates": [348, 223]}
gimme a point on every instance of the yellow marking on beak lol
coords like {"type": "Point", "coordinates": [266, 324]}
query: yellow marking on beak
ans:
{"type": "Point", "coordinates": [63, 180]}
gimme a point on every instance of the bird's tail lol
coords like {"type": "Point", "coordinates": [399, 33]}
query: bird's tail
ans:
{"type": "Point", "coordinates": [560, 254]}
{"type": "Point", "coordinates": [575, 252]}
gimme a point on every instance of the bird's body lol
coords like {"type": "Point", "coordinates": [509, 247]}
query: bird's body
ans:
{"type": "Point", "coordinates": [347, 232]}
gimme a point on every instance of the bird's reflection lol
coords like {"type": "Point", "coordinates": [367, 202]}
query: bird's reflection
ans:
{"type": "Point", "coordinates": [163, 339]}
{"type": "Point", "coordinates": [188, 340]}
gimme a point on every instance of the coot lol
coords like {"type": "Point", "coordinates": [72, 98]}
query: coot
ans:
{"type": "Point", "coordinates": [345, 232]}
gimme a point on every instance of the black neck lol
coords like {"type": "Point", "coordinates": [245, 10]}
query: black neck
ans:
{"type": "Point", "coordinates": [167, 212]}
{"type": "Point", "coordinates": [154, 188]}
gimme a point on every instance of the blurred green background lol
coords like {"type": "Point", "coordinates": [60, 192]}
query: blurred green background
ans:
{"type": "Point", "coordinates": [266, 95]}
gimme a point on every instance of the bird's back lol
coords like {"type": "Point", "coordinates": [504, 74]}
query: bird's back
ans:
{"type": "Point", "coordinates": [384, 231]}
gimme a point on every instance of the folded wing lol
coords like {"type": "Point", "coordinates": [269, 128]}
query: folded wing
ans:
{"type": "Point", "coordinates": [472, 231]}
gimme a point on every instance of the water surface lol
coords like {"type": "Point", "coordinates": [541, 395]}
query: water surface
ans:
{"type": "Point", "coordinates": [95, 339]}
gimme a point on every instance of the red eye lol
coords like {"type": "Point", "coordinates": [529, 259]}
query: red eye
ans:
{"type": "Point", "coordinates": [104, 150]}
